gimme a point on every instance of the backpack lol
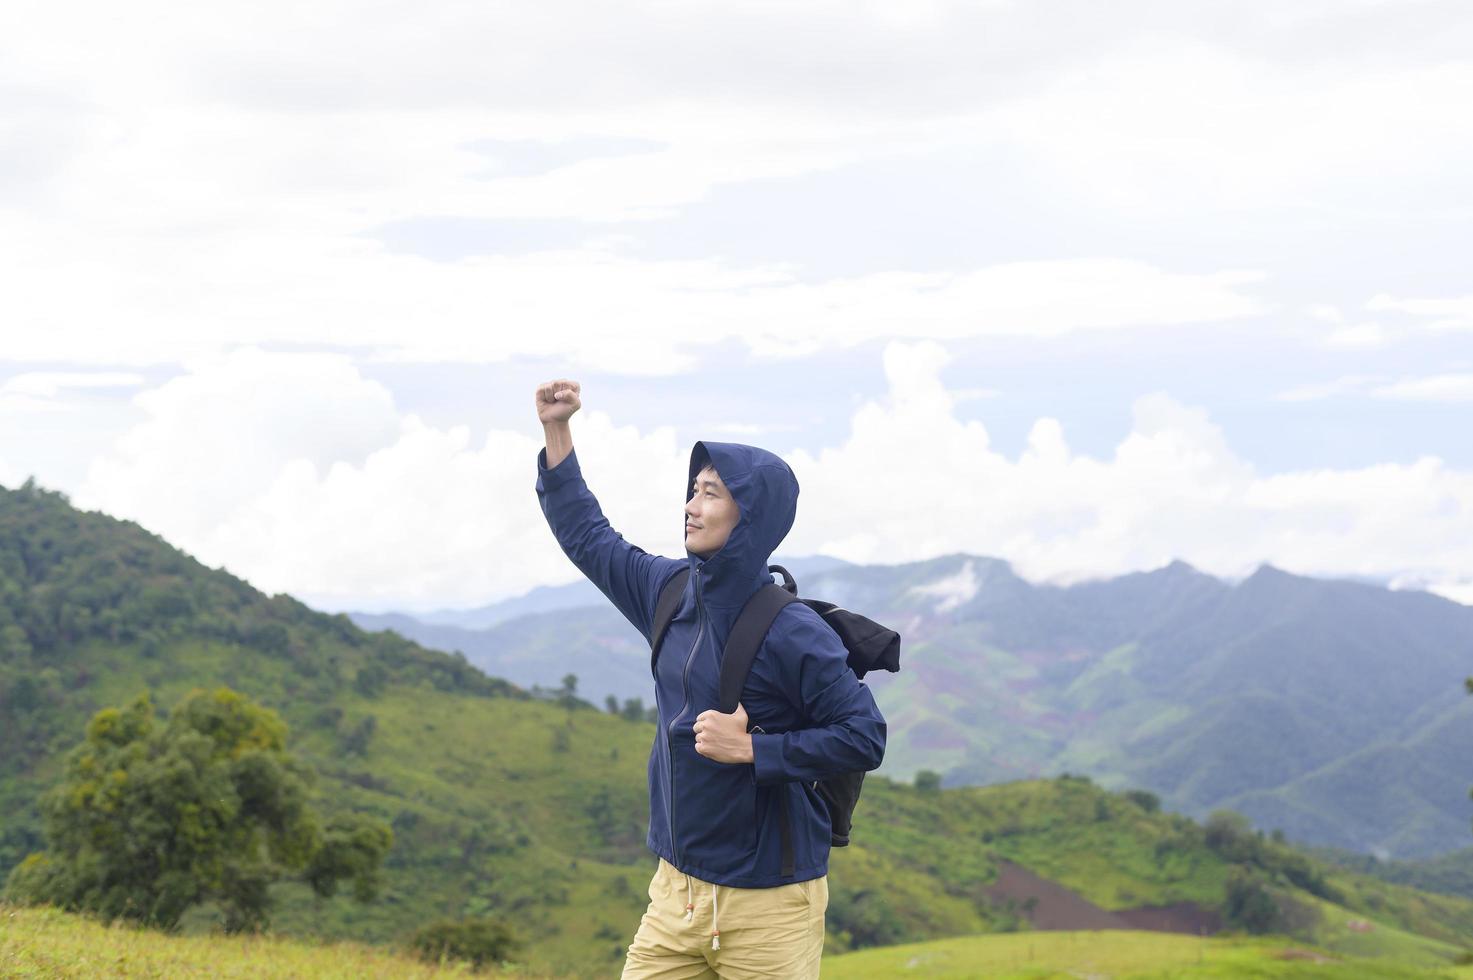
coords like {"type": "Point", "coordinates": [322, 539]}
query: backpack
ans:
{"type": "Point", "coordinates": [870, 645]}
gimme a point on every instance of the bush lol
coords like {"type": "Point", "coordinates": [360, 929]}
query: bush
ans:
{"type": "Point", "coordinates": [1249, 904]}
{"type": "Point", "coordinates": [479, 941]}
{"type": "Point", "coordinates": [865, 918]}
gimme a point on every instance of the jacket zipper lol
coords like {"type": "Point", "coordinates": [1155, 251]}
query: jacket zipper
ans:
{"type": "Point", "coordinates": [685, 705]}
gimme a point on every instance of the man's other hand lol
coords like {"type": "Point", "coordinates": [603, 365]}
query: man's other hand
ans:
{"type": "Point", "coordinates": [723, 738]}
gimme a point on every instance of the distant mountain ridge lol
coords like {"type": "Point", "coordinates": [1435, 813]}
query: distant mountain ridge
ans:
{"type": "Point", "coordinates": [1330, 709]}
{"type": "Point", "coordinates": [541, 599]}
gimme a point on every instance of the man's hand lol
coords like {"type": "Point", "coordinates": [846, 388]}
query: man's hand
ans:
{"type": "Point", "coordinates": [723, 738]}
{"type": "Point", "coordinates": [558, 400]}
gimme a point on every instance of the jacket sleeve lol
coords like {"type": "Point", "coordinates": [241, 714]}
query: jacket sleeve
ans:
{"type": "Point", "coordinates": [629, 576]}
{"type": "Point", "coordinates": [844, 732]}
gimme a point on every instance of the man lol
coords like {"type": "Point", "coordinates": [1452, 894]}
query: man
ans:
{"type": "Point", "coordinates": [727, 791]}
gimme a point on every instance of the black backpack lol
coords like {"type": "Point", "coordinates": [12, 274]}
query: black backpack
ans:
{"type": "Point", "coordinates": [870, 645]}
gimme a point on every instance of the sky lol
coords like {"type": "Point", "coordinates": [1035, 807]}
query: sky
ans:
{"type": "Point", "coordinates": [1086, 287]}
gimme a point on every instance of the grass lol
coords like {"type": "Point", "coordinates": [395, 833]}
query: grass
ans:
{"type": "Point", "coordinates": [46, 943]}
{"type": "Point", "coordinates": [1116, 955]}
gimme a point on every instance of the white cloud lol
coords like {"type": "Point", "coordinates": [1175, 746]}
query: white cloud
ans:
{"type": "Point", "coordinates": [1344, 335]}
{"type": "Point", "coordinates": [1166, 123]}
{"type": "Point", "coordinates": [952, 590]}
{"type": "Point", "coordinates": [1457, 591]}
{"type": "Point", "coordinates": [1448, 313]}
{"type": "Point", "coordinates": [433, 520]}
{"type": "Point", "coordinates": [596, 308]}
{"type": "Point", "coordinates": [917, 482]}
{"type": "Point", "coordinates": [48, 384]}
{"type": "Point", "coordinates": [294, 471]}
{"type": "Point", "coordinates": [212, 436]}
{"type": "Point", "coordinates": [226, 191]}
{"type": "Point", "coordinates": [297, 473]}
{"type": "Point", "coordinates": [1437, 388]}
{"type": "Point", "coordinates": [45, 391]}
{"type": "Point", "coordinates": [223, 191]}
{"type": "Point", "coordinates": [1318, 390]}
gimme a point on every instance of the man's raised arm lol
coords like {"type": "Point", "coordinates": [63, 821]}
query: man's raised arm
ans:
{"type": "Point", "coordinates": [626, 574]}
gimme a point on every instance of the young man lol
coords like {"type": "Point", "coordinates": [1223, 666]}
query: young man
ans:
{"type": "Point", "coordinates": [743, 841]}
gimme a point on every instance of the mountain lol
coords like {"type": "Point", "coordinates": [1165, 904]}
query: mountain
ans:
{"type": "Point", "coordinates": [541, 599]}
{"type": "Point", "coordinates": [526, 638]}
{"type": "Point", "coordinates": [1331, 710]}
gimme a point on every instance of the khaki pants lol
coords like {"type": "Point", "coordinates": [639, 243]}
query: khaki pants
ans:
{"type": "Point", "coordinates": [774, 933]}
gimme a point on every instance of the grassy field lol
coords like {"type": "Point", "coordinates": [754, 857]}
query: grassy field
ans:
{"type": "Point", "coordinates": [45, 943]}
{"type": "Point", "coordinates": [1114, 955]}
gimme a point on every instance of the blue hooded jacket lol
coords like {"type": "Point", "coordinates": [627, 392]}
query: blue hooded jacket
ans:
{"type": "Point", "coordinates": [810, 716]}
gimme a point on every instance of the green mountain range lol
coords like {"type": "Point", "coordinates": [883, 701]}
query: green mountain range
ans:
{"type": "Point", "coordinates": [1331, 710]}
{"type": "Point", "coordinates": [534, 810]}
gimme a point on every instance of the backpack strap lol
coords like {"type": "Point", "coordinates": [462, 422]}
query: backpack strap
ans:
{"type": "Point", "coordinates": [746, 636]}
{"type": "Point", "coordinates": [665, 607]}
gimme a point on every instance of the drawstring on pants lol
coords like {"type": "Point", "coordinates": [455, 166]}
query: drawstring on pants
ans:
{"type": "Point", "coordinates": [690, 913]}
{"type": "Point", "coordinates": [715, 930]}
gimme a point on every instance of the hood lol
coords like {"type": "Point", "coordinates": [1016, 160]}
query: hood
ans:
{"type": "Point", "coordinates": [766, 492]}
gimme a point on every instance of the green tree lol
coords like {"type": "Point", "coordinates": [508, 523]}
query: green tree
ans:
{"type": "Point", "coordinates": [928, 781]}
{"type": "Point", "coordinates": [152, 818]}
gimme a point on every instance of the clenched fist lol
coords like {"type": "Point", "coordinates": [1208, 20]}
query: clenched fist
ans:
{"type": "Point", "coordinates": [557, 400]}
{"type": "Point", "coordinates": [723, 738]}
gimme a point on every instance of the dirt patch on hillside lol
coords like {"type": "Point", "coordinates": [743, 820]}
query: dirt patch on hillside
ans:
{"type": "Point", "coordinates": [1187, 917]}
{"type": "Point", "coordinates": [1049, 905]}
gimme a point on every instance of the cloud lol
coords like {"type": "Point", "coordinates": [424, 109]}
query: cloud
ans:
{"type": "Point", "coordinates": [594, 307]}
{"type": "Point", "coordinates": [301, 475]}
{"type": "Point", "coordinates": [48, 384]}
{"type": "Point", "coordinates": [226, 190]}
{"type": "Point", "coordinates": [44, 391]}
{"type": "Point", "coordinates": [1319, 390]}
{"type": "Point", "coordinates": [1437, 388]}
{"type": "Point", "coordinates": [952, 590]}
{"type": "Point", "coordinates": [296, 472]}
{"type": "Point", "coordinates": [916, 482]}
{"type": "Point", "coordinates": [1344, 335]}
{"type": "Point", "coordinates": [212, 435]}
{"type": "Point", "coordinates": [1449, 313]}
{"type": "Point", "coordinates": [1451, 387]}
{"type": "Point", "coordinates": [1162, 123]}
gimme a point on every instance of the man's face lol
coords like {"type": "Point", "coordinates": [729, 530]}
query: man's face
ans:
{"type": "Point", "coordinates": [709, 515]}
